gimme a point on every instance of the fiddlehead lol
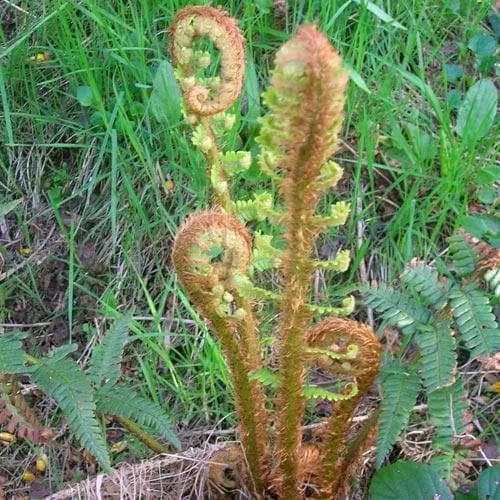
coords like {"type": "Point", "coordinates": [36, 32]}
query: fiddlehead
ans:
{"type": "Point", "coordinates": [211, 251]}
{"type": "Point", "coordinates": [297, 138]}
{"type": "Point", "coordinates": [191, 24]}
{"type": "Point", "coordinates": [340, 335]}
{"type": "Point", "coordinates": [207, 99]}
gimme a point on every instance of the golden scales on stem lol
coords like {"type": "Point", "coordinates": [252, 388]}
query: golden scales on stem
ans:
{"type": "Point", "coordinates": [215, 255]}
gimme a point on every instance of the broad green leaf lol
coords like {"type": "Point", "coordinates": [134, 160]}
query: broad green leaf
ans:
{"type": "Point", "coordinates": [165, 99]}
{"type": "Point", "coordinates": [7, 207]}
{"type": "Point", "coordinates": [483, 45]}
{"type": "Point", "coordinates": [408, 481]}
{"type": "Point", "coordinates": [489, 483]}
{"type": "Point", "coordinates": [477, 112]}
{"type": "Point", "coordinates": [85, 96]}
{"type": "Point", "coordinates": [453, 72]}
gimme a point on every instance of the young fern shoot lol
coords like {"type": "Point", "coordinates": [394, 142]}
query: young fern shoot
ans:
{"type": "Point", "coordinates": [213, 254]}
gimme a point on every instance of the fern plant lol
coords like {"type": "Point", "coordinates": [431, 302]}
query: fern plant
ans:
{"type": "Point", "coordinates": [81, 395]}
{"type": "Point", "coordinates": [439, 314]}
{"type": "Point", "coordinates": [217, 260]}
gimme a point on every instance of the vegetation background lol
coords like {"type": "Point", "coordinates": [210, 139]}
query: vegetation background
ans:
{"type": "Point", "coordinates": [97, 172]}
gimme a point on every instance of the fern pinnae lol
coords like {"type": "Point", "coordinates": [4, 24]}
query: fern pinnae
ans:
{"type": "Point", "coordinates": [396, 309]}
{"type": "Point", "coordinates": [424, 281]}
{"type": "Point", "coordinates": [119, 400]}
{"type": "Point", "coordinates": [400, 389]}
{"type": "Point", "coordinates": [475, 321]}
{"type": "Point", "coordinates": [68, 385]}
{"type": "Point", "coordinates": [104, 365]}
{"type": "Point", "coordinates": [11, 354]}
{"type": "Point", "coordinates": [446, 411]}
{"type": "Point", "coordinates": [438, 352]}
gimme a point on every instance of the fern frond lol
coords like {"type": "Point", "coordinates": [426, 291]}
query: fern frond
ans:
{"type": "Point", "coordinates": [396, 309]}
{"type": "Point", "coordinates": [400, 388]}
{"type": "Point", "coordinates": [446, 411]}
{"type": "Point", "coordinates": [264, 255]}
{"type": "Point", "coordinates": [437, 345]}
{"type": "Point", "coordinates": [11, 354]}
{"type": "Point", "coordinates": [68, 385]}
{"type": "Point", "coordinates": [313, 392]}
{"type": "Point", "coordinates": [462, 254]}
{"type": "Point", "coordinates": [347, 307]}
{"type": "Point", "coordinates": [120, 400]}
{"type": "Point", "coordinates": [104, 365]}
{"type": "Point", "coordinates": [475, 320]}
{"type": "Point", "coordinates": [266, 377]}
{"type": "Point", "coordinates": [424, 281]}
{"type": "Point", "coordinates": [492, 277]}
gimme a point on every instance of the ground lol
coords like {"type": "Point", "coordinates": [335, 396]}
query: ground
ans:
{"type": "Point", "coordinates": [104, 171]}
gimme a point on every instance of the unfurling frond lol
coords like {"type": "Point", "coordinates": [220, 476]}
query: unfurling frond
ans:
{"type": "Point", "coordinates": [191, 24]}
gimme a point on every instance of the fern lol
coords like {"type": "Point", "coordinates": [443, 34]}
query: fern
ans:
{"type": "Point", "coordinates": [313, 392]}
{"type": "Point", "coordinates": [396, 309]}
{"type": "Point", "coordinates": [121, 401]}
{"type": "Point", "coordinates": [400, 388]}
{"type": "Point", "coordinates": [437, 347]}
{"type": "Point", "coordinates": [12, 354]}
{"type": "Point", "coordinates": [475, 321]}
{"type": "Point", "coordinates": [446, 410]}
{"type": "Point", "coordinates": [104, 366]}
{"type": "Point", "coordinates": [463, 255]}
{"type": "Point", "coordinates": [425, 282]}
{"type": "Point", "coordinates": [69, 386]}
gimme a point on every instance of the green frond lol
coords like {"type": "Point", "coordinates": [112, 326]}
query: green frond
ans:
{"type": "Point", "coordinates": [437, 346]}
{"type": "Point", "coordinates": [340, 263]}
{"type": "Point", "coordinates": [62, 351]}
{"type": "Point", "coordinates": [475, 320]}
{"type": "Point", "coordinates": [425, 282]}
{"type": "Point", "coordinates": [104, 365]}
{"type": "Point", "coordinates": [201, 139]}
{"type": "Point", "coordinates": [445, 464]}
{"type": "Point", "coordinates": [266, 377]}
{"type": "Point", "coordinates": [338, 215]}
{"type": "Point", "coordinates": [329, 176]}
{"type": "Point", "coordinates": [264, 255]}
{"type": "Point", "coordinates": [346, 308]}
{"type": "Point", "coordinates": [258, 208]}
{"type": "Point", "coordinates": [492, 277]}
{"type": "Point", "coordinates": [396, 309]}
{"type": "Point", "coordinates": [400, 388]}
{"type": "Point", "coordinates": [351, 352]}
{"type": "Point", "coordinates": [313, 392]}
{"type": "Point", "coordinates": [67, 384]}
{"type": "Point", "coordinates": [12, 354]}
{"type": "Point", "coordinates": [235, 162]}
{"type": "Point", "coordinates": [463, 255]}
{"type": "Point", "coordinates": [249, 291]}
{"type": "Point", "coordinates": [446, 412]}
{"type": "Point", "coordinates": [120, 400]}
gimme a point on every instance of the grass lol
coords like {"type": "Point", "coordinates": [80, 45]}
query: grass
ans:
{"type": "Point", "coordinates": [103, 160]}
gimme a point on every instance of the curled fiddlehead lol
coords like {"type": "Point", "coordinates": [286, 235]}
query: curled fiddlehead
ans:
{"type": "Point", "coordinates": [340, 335]}
{"type": "Point", "coordinates": [211, 251]}
{"type": "Point", "coordinates": [191, 24]}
